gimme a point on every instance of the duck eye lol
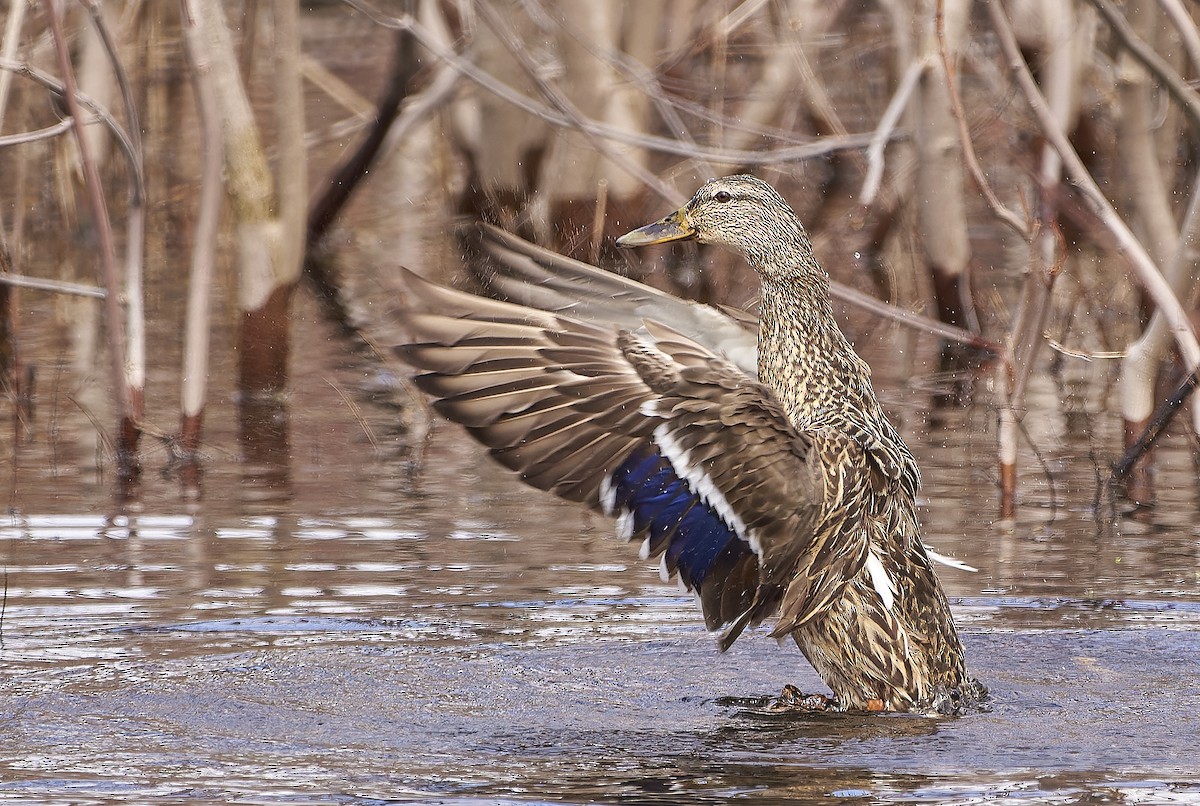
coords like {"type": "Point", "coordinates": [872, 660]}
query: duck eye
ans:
{"type": "Point", "coordinates": [722, 196]}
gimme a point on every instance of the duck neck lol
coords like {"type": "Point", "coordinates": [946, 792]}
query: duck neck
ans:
{"type": "Point", "coordinates": [802, 353]}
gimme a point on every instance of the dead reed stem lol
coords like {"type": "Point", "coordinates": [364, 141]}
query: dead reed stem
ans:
{"type": "Point", "coordinates": [198, 324]}
{"type": "Point", "coordinates": [12, 35]}
{"type": "Point", "coordinates": [1143, 266]}
{"type": "Point", "coordinates": [135, 221]}
{"type": "Point", "coordinates": [1018, 224]}
{"type": "Point", "coordinates": [128, 429]}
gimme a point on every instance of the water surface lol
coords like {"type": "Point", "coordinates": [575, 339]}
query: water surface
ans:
{"type": "Point", "coordinates": [349, 627]}
{"type": "Point", "coordinates": [334, 617]}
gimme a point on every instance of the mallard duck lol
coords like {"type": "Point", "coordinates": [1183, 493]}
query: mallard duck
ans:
{"type": "Point", "coordinates": [768, 481]}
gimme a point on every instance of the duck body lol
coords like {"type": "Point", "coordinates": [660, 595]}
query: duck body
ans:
{"type": "Point", "coordinates": [778, 490]}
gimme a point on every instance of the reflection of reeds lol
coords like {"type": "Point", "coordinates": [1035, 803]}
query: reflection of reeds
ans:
{"type": "Point", "coordinates": [9, 361]}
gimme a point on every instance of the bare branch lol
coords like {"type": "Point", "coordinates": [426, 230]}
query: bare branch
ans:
{"type": "Point", "coordinates": [666, 145]}
{"type": "Point", "coordinates": [1139, 260]}
{"type": "Point", "coordinates": [57, 286]}
{"type": "Point", "coordinates": [640, 75]}
{"type": "Point", "coordinates": [1015, 222]}
{"type": "Point", "coordinates": [55, 86]}
{"type": "Point", "coordinates": [909, 319]}
{"type": "Point", "coordinates": [1157, 65]}
{"type": "Point", "coordinates": [559, 99]}
{"type": "Point", "coordinates": [133, 130]}
{"type": "Point", "coordinates": [48, 133]}
{"type": "Point", "coordinates": [883, 132]}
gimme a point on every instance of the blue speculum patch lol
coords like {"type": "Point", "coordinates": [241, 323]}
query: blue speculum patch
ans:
{"type": "Point", "coordinates": [662, 504]}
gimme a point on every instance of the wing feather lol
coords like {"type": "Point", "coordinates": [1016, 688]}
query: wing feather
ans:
{"type": "Point", "coordinates": [532, 275]}
{"type": "Point", "coordinates": [695, 455]}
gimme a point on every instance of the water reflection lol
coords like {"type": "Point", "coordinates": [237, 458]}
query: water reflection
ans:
{"type": "Point", "coordinates": [320, 617]}
{"type": "Point", "coordinates": [453, 635]}
{"type": "Point", "coordinates": [264, 437]}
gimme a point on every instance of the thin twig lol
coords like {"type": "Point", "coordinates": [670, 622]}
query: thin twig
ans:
{"type": "Point", "coordinates": [565, 106]}
{"type": "Point", "coordinates": [665, 145]}
{"type": "Point", "coordinates": [1161, 418]}
{"type": "Point", "coordinates": [1183, 22]}
{"type": "Point", "coordinates": [48, 133]}
{"type": "Point", "coordinates": [1172, 82]}
{"type": "Point", "coordinates": [115, 325]}
{"type": "Point", "coordinates": [57, 286]}
{"type": "Point", "coordinates": [1135, 254]}
{"type": "Point", "coordinates": [1015, 222]}
{"type": "Point", "coordinates": [1102, 355]}
{"type": "Point", "coordinates": [916, 321]}
{"type": "Point", "coordinates": [636, 72]}
{"type": "Point", "coordinates": [356, 413]}
{"type": "Point", "coordinates": [704, 115]}
{"type": "Point", "coordinates": [883, 132]}
{"type": "Point", "coordinates": [132, 128]}
{"type": "Point", "coordinates": [1026, 335]}
{"type": "Point", "coordinates": [58, 88]}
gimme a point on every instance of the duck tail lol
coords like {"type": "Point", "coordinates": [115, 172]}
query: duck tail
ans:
{"type": "Point", "coordinates": [735, 629]}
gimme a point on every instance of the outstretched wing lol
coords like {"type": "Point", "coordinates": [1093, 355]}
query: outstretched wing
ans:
{"type": "Point", "coordinates": [528, 274]}
{"type": "Point", "coordinates": [687, 451]}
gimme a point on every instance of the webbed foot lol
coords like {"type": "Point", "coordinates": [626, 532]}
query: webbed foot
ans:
{"type": "Point", "coordinates": [793, 699]}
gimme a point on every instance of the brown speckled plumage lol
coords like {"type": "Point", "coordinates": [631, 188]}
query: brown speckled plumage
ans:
{"type": "Point", "coordinates": [801, 492]}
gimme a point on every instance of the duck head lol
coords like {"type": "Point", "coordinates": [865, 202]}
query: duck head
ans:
{"type": "Point", "coordinates": [741, 213]}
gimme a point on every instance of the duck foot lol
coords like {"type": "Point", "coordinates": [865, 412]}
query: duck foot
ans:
{"type": "Point", "coordinates": [793, 699]}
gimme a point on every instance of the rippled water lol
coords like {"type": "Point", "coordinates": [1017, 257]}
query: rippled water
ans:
{"type": "Point", "coordinates": [329, 621]}
{"type": "Point", "coordinates": [437, 653]}
{"type": "Point", "coordinates": [344, 626]}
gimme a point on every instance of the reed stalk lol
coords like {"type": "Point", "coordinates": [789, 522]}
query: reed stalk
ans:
{"type": "Point", "coordinates": [128, 427]}
{"type": "Point", "coordinates": [197, 322]}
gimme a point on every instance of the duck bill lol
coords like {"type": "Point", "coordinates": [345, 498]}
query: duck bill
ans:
{"type": "Point", "coordinates": [674, 227]}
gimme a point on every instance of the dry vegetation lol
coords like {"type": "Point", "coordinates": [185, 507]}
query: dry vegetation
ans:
{"type": "Point", "coordinates": [1008, 172]}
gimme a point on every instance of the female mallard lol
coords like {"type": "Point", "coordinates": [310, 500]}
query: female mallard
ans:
{"type": "Point", "coordinates": [787, 495]}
